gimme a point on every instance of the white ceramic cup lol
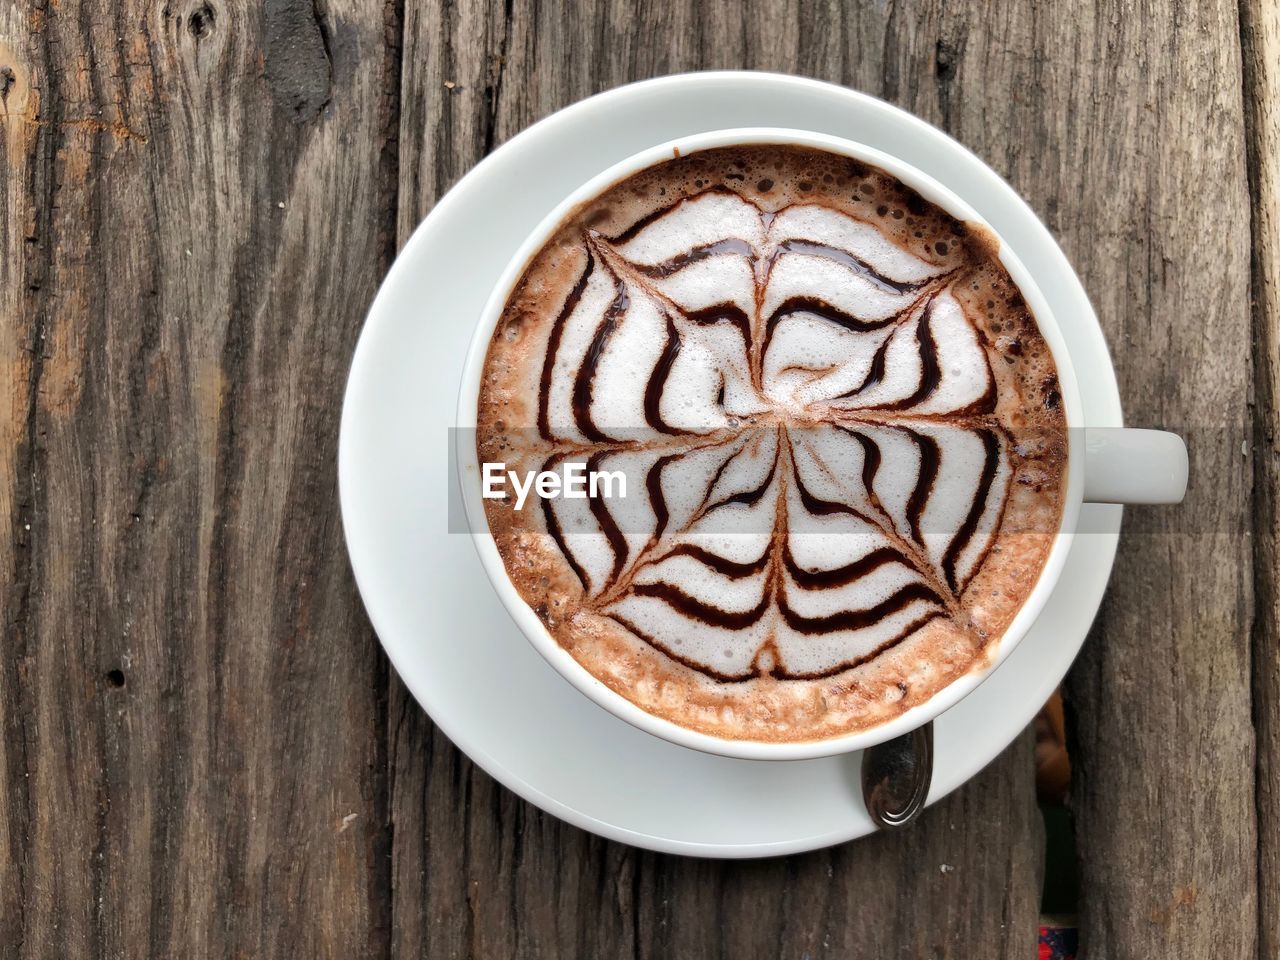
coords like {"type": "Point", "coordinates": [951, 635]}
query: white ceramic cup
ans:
{"type": "Point", "coordinates": [1113, 465]}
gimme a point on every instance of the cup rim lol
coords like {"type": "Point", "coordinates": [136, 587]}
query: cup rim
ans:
{"type": "Point", "coordinates": [541, 638]}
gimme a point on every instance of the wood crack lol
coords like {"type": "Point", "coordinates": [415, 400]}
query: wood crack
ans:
{"type": "Point", "coordinates": [1260, 80]}
{"type": "Point", "coordinates": [493, 91]}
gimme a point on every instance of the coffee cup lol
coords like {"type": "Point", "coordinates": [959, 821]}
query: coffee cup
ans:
{"type": "Point", "coordinates": [1114, 465]}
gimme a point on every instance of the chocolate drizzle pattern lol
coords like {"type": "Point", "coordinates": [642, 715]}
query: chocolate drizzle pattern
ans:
{"type": "Point", "coordinates": [810, 412]}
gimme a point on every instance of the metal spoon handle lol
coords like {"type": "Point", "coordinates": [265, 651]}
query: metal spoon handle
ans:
{"type": "Point", "coordinates": [895, 777]}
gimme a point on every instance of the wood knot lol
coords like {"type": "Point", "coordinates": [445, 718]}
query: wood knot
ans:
{"type": "Point", "coordinates": [946, 60]}
{"type": "Point", "coordinates": [16, 98]}
{"type": "Point", "coordinates": [200, 23]}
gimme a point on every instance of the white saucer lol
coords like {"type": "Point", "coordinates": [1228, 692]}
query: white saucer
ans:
{"type": "Point", "coordinates": [442, 626]}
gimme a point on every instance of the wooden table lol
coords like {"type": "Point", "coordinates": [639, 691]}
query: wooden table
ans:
{"type": "Point", "coordinates": [205, 753]}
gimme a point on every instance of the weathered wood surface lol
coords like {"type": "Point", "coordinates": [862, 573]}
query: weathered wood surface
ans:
{"type": "Point", "coordinates": [1260, 32]}
{"type": "Point", "coordinates": [197, 212]}
{"type": "Point", "coordinates": [203, 751]}
{"type": "Point", "coordinates": [1152, 204]}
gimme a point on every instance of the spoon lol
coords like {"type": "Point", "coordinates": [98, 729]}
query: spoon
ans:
{"type": "Point", "coordinates": [896, 776]}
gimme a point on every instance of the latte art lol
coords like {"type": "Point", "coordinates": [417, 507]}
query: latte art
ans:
{"type": "Point", "coordinates": [715, 310]}
{"type": "Point", "coordinates": [840, 426]}
{"type": "Point", "coordinates": [793, 552]}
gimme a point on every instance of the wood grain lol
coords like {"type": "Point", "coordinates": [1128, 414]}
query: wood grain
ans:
{"type": "Point", "coordinates": [203, 751]}
{"type": "Point", "coordinates": [1154, 211]}
{"type": "Point", "coordinates": [1260, 34]}
{"type": "Point", "coordinates": [196, 221]}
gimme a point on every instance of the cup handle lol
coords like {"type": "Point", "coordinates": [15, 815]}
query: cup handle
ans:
{"type": "Point", "coordinates": [1124, 465]}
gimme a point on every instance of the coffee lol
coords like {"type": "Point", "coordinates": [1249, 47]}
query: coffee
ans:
{"type": "Point", "coordinates": [838, 425]}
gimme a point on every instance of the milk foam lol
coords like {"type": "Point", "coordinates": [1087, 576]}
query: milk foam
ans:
{"type": "Point", "coordinates": [809, 358]}
{"type": "Point", "coordinates": [802, 397]}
